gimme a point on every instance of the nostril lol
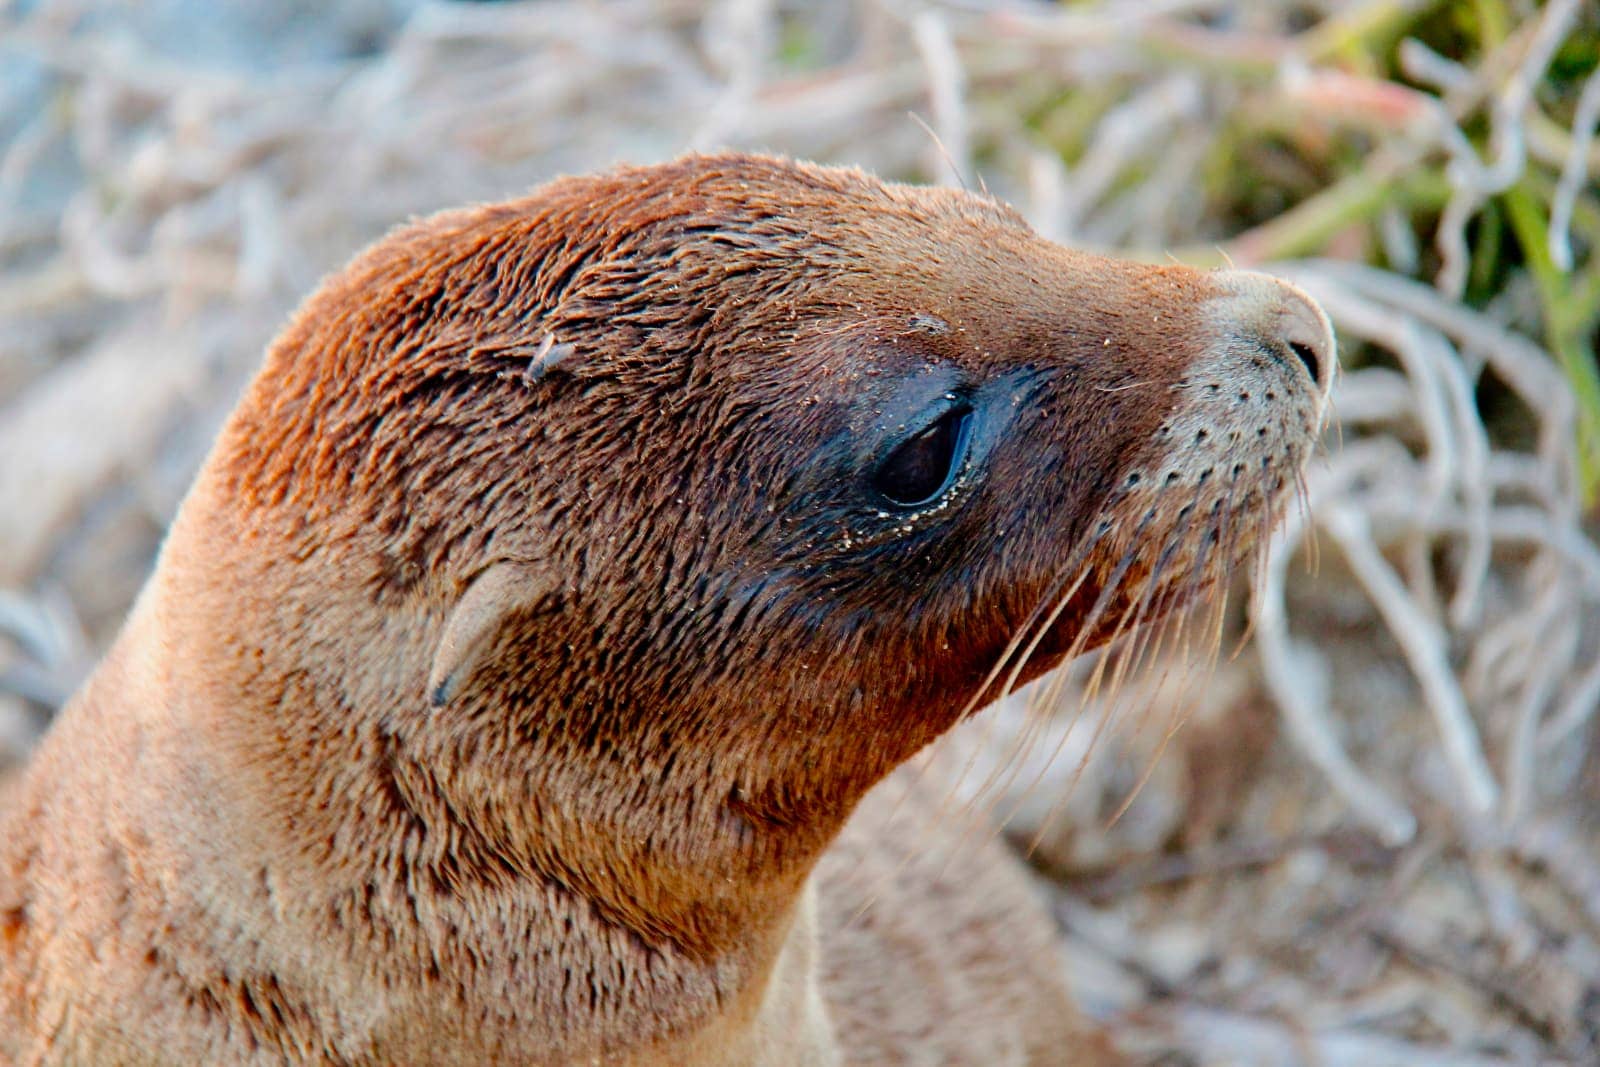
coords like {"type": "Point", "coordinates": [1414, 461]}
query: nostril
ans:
{"type": "Point", "coordinates": [1260, 315]}
{"type": "Point", "coordinates": [1308, 358]}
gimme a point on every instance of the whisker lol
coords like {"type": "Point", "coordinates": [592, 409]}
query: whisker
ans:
{"type": "Point", "coordinates": [1126, 657]}
{"type": "Point", "coordinates": [1182, 696]}
{"type": "Point", "coordinates": [1265, 522]}
{"type": "Point", "coordinates": [1038, 622]}
{"type": "Point", "coordinates": [1309, 535]}
{"type": "Point", "coordinates": [1079, 560]}
{"type": "Point", "coordinates": [1079, 556]}
{"type": "Point", "coordinates": [1066, 598]}
{"type": "Point", "coordinates": [1175, 723]}
{"type": "Point", "coordinates": [1005, 776]}
{"type": "Point", "coordinates": [1022, 747]}
{"type": "Point", "coordinates": [1147, 651]}
{"type": "Point", "coordinates": [1144, 624]}
{"type": "Point", "coordinates": [1151, 587]}
{"type": "Point", "coordinates": [1025, 747]}
{"type": "Point", "coordinates": [1038, 629]}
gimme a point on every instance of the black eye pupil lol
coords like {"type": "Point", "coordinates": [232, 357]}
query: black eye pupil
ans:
{"type": "Point", "coordinates": [922, 468]}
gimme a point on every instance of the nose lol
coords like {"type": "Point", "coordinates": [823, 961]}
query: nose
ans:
{"type": "Point", "coordinates": [1305, 330]}
{"type": "Point", "coordinates": [1280, 320]}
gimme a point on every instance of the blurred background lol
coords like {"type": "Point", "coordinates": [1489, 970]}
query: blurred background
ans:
{"type": "Point", "coordinates": [1374, 840]}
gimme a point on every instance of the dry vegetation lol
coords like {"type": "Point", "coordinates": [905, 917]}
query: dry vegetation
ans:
{"type": "Point", "coordinates": [1374, 841]}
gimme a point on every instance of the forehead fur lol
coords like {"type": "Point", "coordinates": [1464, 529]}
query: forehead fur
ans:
{"type": "Point", "coordinates": [634, 263]}
{"type": "Point", "coordinates": [692, 303]}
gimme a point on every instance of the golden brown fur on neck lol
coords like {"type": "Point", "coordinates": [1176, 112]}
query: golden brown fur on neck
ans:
{"type": "Point", "coordinates": [263, 831]}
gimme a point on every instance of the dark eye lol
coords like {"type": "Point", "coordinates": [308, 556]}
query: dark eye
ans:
{"type": "Point", "coordinates": [922, 468]}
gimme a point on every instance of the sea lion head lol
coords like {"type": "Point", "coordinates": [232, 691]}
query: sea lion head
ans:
{"type": "Point", "coordinates": [719, 488]}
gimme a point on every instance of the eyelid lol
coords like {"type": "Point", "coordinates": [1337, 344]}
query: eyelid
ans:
{"type": "Point", "coordinates": [924, 417]}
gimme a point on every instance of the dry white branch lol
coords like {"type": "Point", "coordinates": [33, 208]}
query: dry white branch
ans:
{"type": "Point", "coordinates": [1426, 649]}
{"type": "Point", "coordinates": [1475, 181]}
{"type": "Point", "coordinates": [1229, 1037]}
{"type": "Point", "coordinates": [946, 90]}
{"type": "Point", "coordinates": [1574, 171]}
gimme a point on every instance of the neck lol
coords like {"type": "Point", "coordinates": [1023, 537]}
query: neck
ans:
{"type": "Point", "coordinates": [418, 836]}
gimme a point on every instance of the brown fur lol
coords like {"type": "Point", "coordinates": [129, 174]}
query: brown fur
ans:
{"type": "Point", "coordinates": [531, 634]}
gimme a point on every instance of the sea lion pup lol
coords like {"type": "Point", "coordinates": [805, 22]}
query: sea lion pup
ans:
{"type": "Point", "coordinates": [571, 570]}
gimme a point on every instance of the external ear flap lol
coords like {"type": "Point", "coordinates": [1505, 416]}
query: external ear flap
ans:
{"type": "Point", "coordinates": [470, 631]}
